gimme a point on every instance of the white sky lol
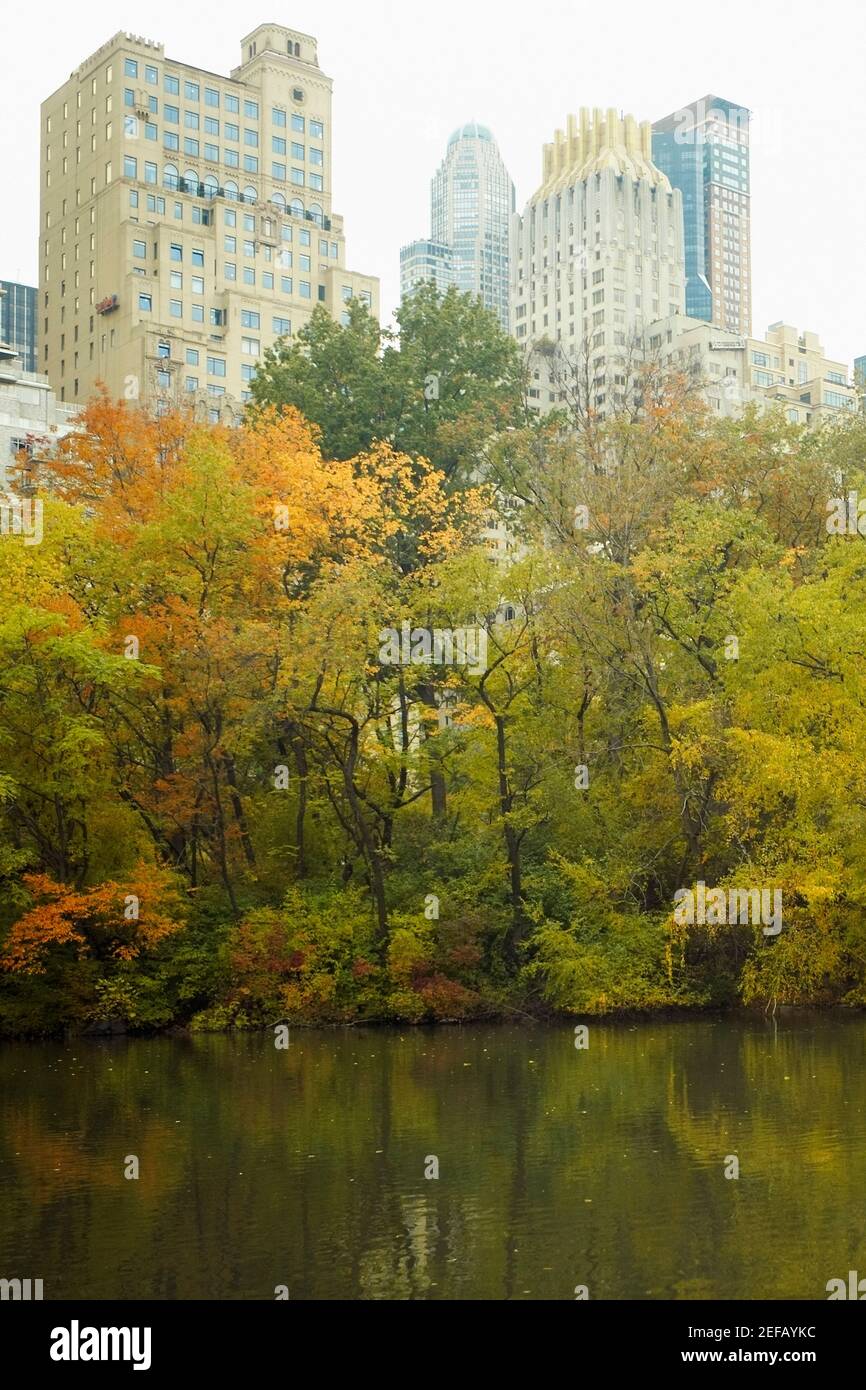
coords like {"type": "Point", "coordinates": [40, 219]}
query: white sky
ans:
{"type": "Point", "coordinates": [407, 73]}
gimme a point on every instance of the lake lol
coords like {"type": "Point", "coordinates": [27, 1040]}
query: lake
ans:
{"type": "Point", "coordinates": [557, 1166]}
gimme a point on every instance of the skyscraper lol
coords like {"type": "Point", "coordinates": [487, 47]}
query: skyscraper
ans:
{"type": "Point", "coordinates": [597, 253]}
{"type": "Point", "coordinates": [421, 261]}
{"type": "Point", "coordinates": [186, 220]}
{"type": "Point", "coordinates": [704, 150]}
{"type": "Point", "coordinates": [18, 320]}
{"type": "Point", "coordinates": [471, 206]}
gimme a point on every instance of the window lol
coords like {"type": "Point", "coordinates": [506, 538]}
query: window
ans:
{"type": "Point", "coordinates": [175, 308]}
{"type": "Point", "coordinates": [248, 371]}
{"type": "Point", "coordinates": [317, 182]}
{"type": "Point", "coordinates": [230, 270]}
{"type": "Point", "coordinates": [171, 140]}
{"type": "Point", "coordinates": [191, 383]}
{"type": "Point", "coordinates": [298, 122]}
{"type": "Point", "coordinates": [175, 252]}
{"type": "Point", "coordinates": [278, 171]}
{"type": "Point", "coordinates": [321, 292]}
{"type": "Point", "coordinates": [145, 303]}
{"type": "Point", "coordinates": [249, 222]}
{"type": "Point", "coordinates": [139, 249]}
{"type": "Point", "coordinates": [249, 248]}
{"type": "Point", "coordinates": [278, 144]}
{"type": "Point", "coordinates": [278, 117]}
{"type": "Point", "coordinates": [251, 137]}
{"type": "Point", "coordinates": [317, 130]}
{"type": "Point", "coordinates": [190, 146]}
{"type": "Point", "coordinates": [316, 156]}
{"type": "Point", "coordinates": [216, 366]}
{"type": "Point", "coordinates": [128, 96]}
{"type": "Point", "coordinates": [130, 67]}
{"type": "Point", "coordinates": [171, 85]}
{"type": "Point", "coordinates": [297, 150]}
{"type": "Point", "coordinates": [230, 217]}
{"type": "Point", "coordinates": [197, 256]}
{"type": "Point", "coordinates": [130, 167]}
{"type": "Point", "coordinates": [251, 164]}
{"type": "Point", "coordinates": [151, 75]}
{"type": "Point", "coordinates": [150, 131]}
{"type": "Point", "coordinates": [281, 327]}
{"type": "Point", "coordinates": [190, 120]}
{"type": "Point", "coordinates": [198, 313]}
{"type": "Point", "coordinates": [249, 275]}
{"type": "Point", "coordinates": [286, 284]}
{"type": "Point", "coordinates": [298, 177]}
{"type": "Point", "coordinates": [150, 172]}
{"type": "Point", "coordinates": [760, 359]}
{"type": "Point", "coordinates": [303, 262]}
{"type": "Point", "coordinates": [230, 243]}
{"type": "Point", "coordinates": [836, 398]}
{"type": "Point", "coordinates": [192, 357]}
{"type": "Point", "coordinates": [163, 349]}
{"type": "Point", "coordinates": [191, 91]}
{"type": "Point", "coordinates": [172, 114]}
{"type": "Point", "coordinates": [250, 318]}
{"type": "Point", "coordinates": [198, 284]}
{"type": "Point", "coordinates": [251, 110]}
{"type": "Point", "coordinates": [346, 292]}
{"type": "Point", "coordinates": [231, 102]}
{"type": "Point", "coordinates": [232, 159]}
{"type": "Point", "coordinates": [306, 292]}
{"type": "Point", "coordinates": [214, 390]}
{"type": "Point", "coordinates": [163, 378]}
{"type": "Point", "coordinates": [303, 234]}
{"type": "Point", "coordinates": [212, 152]}
{"type": "Point", "coordinates": [232, 131]}
{"type": "Point", "coordinates": [250, 347]}
{"type": "Point", "coordinates": [211, 96]}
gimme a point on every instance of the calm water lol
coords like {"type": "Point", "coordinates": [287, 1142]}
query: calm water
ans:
{"type": "Point", "coordinates": [557, 1167]}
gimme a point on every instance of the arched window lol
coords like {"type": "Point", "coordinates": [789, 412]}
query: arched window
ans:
{"type": "Point", "coordinates": [297, 50]}
{"type": "Point", "coordinates": [296, 207]}
{"type": "Point", "coordinates": [231, 190]}
{"type": "Point", "coordinates": [250, 194]}
{"type": "Point", "coordinates": [316, 213]}
{"type": "Point", "coordinates": [190, 180]}
{"type": "Point", "coordinates": [170, 178]}
{"type": "Point", "coordinates": [279, 200]}
{"type": "Point", "coordinates": [211, 186]}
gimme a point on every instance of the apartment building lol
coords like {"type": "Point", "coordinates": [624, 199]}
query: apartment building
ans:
{"type": "Point", "coordinates": [186, 221]}
{"type": "Point", "coordinates": [785, 368]}
{"type": "Point", "coordinates": [596, 254]}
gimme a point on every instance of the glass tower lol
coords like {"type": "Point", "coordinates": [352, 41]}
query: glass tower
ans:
{"type": "Point", "coordinates": [704, 150]}
{"type": "Point", "coordinates": [472, 199]}
{"type": "Point", "coordinates": [18, 320]}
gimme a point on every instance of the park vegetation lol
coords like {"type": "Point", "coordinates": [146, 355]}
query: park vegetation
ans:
{"type": "Point", "coordinates": [220, 807]}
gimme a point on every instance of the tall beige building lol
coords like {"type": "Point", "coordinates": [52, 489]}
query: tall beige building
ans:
{"type": "Point", "coordinates": [186, 221]}
{"type": "Point", "coordinates": [597, 253]}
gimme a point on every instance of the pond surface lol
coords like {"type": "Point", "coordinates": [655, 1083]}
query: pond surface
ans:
{"type": "Point", "coordinates": [557, 1167]}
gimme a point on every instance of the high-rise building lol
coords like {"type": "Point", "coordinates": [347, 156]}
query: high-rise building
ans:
{"type": "Point", "coordinates": [423, 261]}
{"type": "Point", "coordinates": [186, 220]}
{"type": "Point", "coordinates": [18, 320]}
{"type": "Point", "coordinates": [596, 254]}
{"type": "Point", "coordinates": [704, 150]}
{"type": "Point", "coordinates": [472, 200]}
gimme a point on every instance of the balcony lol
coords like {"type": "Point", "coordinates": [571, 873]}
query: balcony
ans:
{"type": "Point", "coordinates": [211, 191]}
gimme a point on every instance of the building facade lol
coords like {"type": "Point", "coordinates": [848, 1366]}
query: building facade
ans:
{"type": "Point", "coordinates": [472, 202]}
{"type": "Point", "coordinates": [596, 254]}
{"type": "Point", "coordinates": [32, 420]}
{"type": "Point", "coordinates": [423, 261]}
{"type": "Point", "coordinates": [18, 320]}
{"type": "Point", "coordinates": [186, 220]}
{"type": "Point", "coordinates": [704, 151]}
{"type": "Point", "coordinates": [785, 368]}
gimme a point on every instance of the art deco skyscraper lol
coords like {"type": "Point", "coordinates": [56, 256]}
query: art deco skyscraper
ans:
{"type": "Point", "coordinates": [472, 199]}
{"type": "Point", "coordinates": [704, 150]}
{"type": "Point", "coordinates": [598, 251]}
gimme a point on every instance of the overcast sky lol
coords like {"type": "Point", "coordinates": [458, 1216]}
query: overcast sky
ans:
{"type": "Point", "coordinates": [406, 74]}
